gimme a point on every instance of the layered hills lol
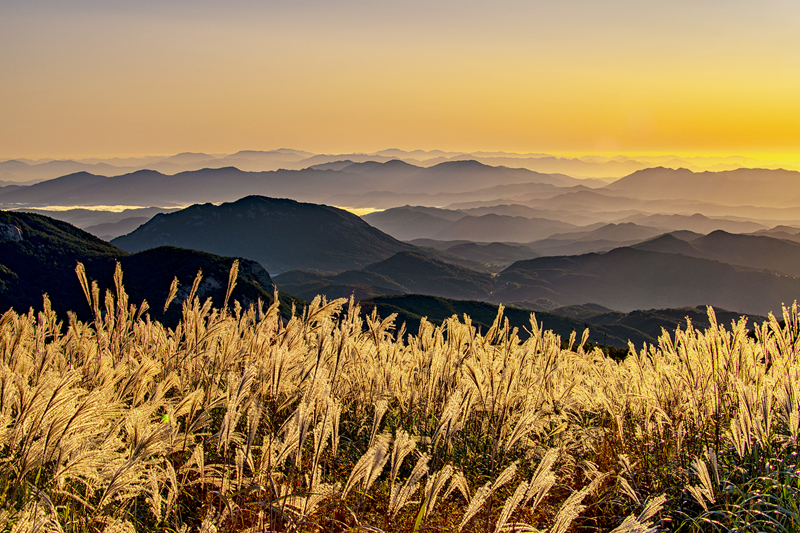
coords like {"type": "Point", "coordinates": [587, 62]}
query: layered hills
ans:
{"type": "Point", "coordinates": [606, 168]}
{"type": "Point", "coordinates": [754, 251]}
{"type": "Point", "coordinates": [744, 186]}
{"type": "Point", "coordinates": [39, 255]}
{"type": "Point", "coordinates": [484, 203]}
{"type": "Point", "coordinates": [598, 239]}
{"type": "Point", "coordinates": [628, 278]}
{"type": "Point", "coordinates": [651, 321]}
{"type": "Point", "coordinates": [493, 254]}
{"type": "Point", "coordinates": [415, 222]}
{"type": "Point", "coordinates": [403, 273]}
{"type": "Point", "coordinates": [752, 274]}
{"type": "Point", "coordinates": [657, 237]}
{"type": "Point", "coordinates": [372, 184]}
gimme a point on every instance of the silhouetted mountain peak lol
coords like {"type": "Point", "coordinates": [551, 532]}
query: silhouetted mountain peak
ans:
{"type": "Point", "coordinates": [718, 234]}
{"type": "Point", "coordinates": [14, 163]}
{"type": "Point", "coordinates": [398, 163]}
{"type": "Point", "coordinates": [279, 233]}
{"type": "Point", "coordinates": [189, 157]}
{"type": "Point", "coordinates": [465, 164]}
{"type": "Point", "coordinates": [668, 243]}
{"type": "Point", "coordinates": [143, 172]}
{"type": "Point", "coordinates": [74, 175]}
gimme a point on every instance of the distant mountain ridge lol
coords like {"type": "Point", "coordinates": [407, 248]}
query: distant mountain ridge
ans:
{"type": "Point", "coordinates": [744, 186]}
{"type": "Point", "coordinates": [416, 222]}
{"type": "Point", "coordinates": [600, 239]}
{"type": "Point", "coordinates": [605, 168]}
{"type": "Point", "coordinates": [628, 278]}
{"type": "Point", "coordinates": [651, 321]}
{"type": "Point", "coordinates": [386, 181]}
{"type": "Point", "coordinates": [753, 251]}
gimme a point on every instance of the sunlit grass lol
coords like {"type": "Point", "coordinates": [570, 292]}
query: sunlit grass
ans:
{"type": "Point", "coordinates": [243, 420]}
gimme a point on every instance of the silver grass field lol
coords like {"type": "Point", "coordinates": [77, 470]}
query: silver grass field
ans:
{"type": "Point", "coordinates": [241, 420]}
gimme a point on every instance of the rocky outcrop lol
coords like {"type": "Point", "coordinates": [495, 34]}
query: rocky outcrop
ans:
{"type": "Point", "coordinates": [9, 232]}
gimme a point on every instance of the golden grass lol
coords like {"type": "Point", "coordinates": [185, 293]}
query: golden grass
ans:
{"type": "Point", "coordinates": [241, 420]}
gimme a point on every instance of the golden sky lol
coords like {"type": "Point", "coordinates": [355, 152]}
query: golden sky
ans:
{"type": "Point", "coordinates": [111, 77]}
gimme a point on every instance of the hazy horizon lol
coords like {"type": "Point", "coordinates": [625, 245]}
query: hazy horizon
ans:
{"type": "Point", "coordinates": [695, 160]}
{"type": "Point", "coordinates": [87, 78]}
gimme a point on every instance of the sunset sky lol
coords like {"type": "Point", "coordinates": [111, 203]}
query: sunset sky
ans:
{"type": "Point", "coordinates": [112, 77]}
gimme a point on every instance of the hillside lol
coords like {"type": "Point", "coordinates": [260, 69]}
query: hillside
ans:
{"type": "Point", "coordinates": [424, 275]}
{"type": "Point", "coordinates": [756, 251]}
{"type": "Point", "coordinates": [358, 283]}
{"type": "Point", "coordinates": [39, 254]}
{"type": "Point", "coordinates": [280, 234]}
{"type": "Point", "coordinates": [670, 244]}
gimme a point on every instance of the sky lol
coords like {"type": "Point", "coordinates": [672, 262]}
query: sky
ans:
{"type": "Point", "coordinates": [110, 77]}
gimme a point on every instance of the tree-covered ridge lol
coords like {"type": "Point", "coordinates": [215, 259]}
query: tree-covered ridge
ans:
{"type": "Point", "coordinates": [38, 255]}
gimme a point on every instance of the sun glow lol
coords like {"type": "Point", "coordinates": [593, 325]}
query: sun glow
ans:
{"type": "Point", "coordinates": [619, 77]}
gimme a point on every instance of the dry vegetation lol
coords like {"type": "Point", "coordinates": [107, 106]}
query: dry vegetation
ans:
{"type": "Point", "coordinates": [242, 421]}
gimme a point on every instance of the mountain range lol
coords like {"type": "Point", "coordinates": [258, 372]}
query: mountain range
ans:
{"type": "Point", "coordinates": [754, 251]}
{"type": "Point", "coordinates": [600, 238]}
{"type": "Point", "coordinates": [403, 273]}
{"type": "Point", "coordinates": [39, 255]}
{"type": "Point", "coordinates": [504, 204]}
{"type": "Point", "coordinates": [449, 181]}
{"type": "Point", "coordinates": [418, 222]}
{"type": "Point", "coordinates": [743, 186]}
{"type": "Point", "coordinates": [23, 170]}
{"type": "Point", "coordinates": [748, 273]}
{"type": "Point", "coordinates": [657, 237]}
{"type": "Point", "coordinates": [627, 278]}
